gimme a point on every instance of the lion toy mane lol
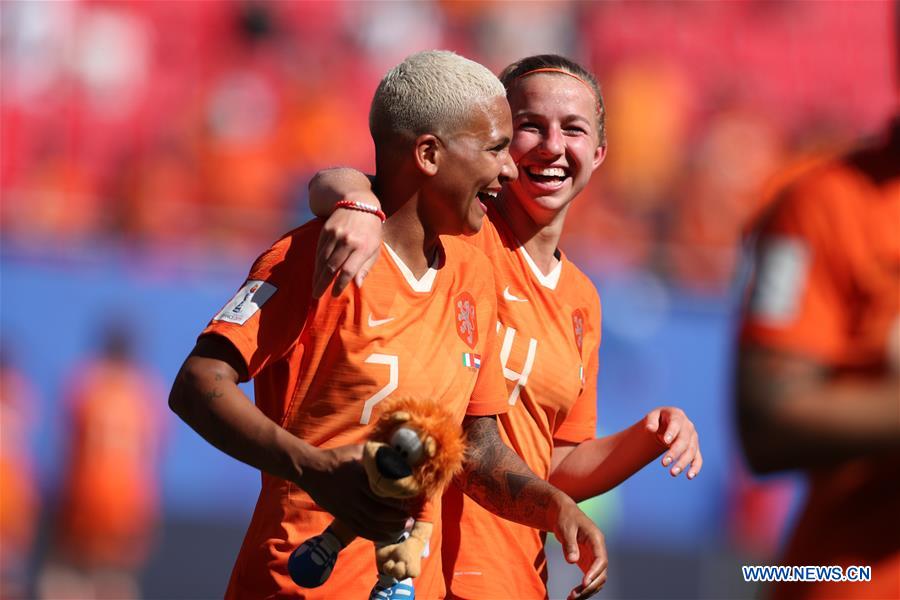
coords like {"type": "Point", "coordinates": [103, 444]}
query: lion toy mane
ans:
{"type": "Point", "coordinates": [416, 447]}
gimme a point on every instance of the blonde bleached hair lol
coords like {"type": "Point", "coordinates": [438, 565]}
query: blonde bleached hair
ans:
{"type": "Point", "coordinates": [430, 92]}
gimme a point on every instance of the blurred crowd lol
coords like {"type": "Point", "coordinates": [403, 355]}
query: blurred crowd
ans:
{"type": "Point", "coordinates": [195, 126]}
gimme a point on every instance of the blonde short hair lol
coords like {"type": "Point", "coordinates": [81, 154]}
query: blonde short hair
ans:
{"type": "Point", "coordinates": [430, 92]}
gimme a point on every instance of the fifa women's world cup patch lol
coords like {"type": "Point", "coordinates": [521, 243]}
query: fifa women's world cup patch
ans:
{"type": "Point", "coordinates": [466, 323]}
{"type": "Point", "coordinates": [249, 299]}
{"type": "Point", "coordinates": [472, 360]}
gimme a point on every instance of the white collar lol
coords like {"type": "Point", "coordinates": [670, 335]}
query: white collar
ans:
{"type": "Point", "coordinates": [418, 285]}
{"type": "Point", "coordinates": [550, 280]}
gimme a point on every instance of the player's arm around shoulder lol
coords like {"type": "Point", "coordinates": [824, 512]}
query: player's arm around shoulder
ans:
{"type": "Point", "coordinates": [351, 235]}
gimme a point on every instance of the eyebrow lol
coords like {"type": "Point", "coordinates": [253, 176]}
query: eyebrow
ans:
{"type": "Point", "coordinates": [570, 117]}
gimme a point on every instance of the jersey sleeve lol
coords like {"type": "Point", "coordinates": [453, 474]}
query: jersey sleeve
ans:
{"type": "Point", "coordinates": [797, 297]}
{"type": "Point", "coordinates": [266, 315]}
{"type": "Point", "coordinates": [581, 422]}
{"type": "Point", "coordinates": [489, 395]}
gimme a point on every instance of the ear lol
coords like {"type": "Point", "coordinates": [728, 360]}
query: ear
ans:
{"type": "Point", "coordinates": [428, 151]}
{"type": "Point", "coordinates": [599, 157]}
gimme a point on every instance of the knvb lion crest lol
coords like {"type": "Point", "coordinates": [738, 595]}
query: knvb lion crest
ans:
{"type": "Point", "coordinates": [466, 323]}
{"type": "Point", "coordinates": [578, 327]}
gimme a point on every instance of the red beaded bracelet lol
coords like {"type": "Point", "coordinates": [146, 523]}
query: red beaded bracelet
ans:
{"type": "Point", "coordinates": [362, 206]}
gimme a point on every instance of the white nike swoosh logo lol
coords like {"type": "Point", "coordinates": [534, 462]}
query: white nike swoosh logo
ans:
{"type": "Point", "coordinates": [511, 298]}
{"type": "Point", "coordinates": [377, 322]}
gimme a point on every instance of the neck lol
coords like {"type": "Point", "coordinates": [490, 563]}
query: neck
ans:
{"type": "Point", "coordinates": [404, 230]}
{"type": "Point", "coordinates": [405, 233]}
{"type": "Point", "coordinates": [540, 239]}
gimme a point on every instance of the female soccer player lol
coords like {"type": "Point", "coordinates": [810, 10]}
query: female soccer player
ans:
{"type": "Point", "coordinates": [441, 128]}
{"type": "Point", "coordinates": [549, 325]}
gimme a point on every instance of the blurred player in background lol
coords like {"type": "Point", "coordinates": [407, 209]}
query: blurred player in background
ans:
{"type": "Point", "coordinates": [549, 324]}
{"type": "Point", "coordinates": [819, 365]}
{"type": "Point", "coordinates": [109, 502]}
{"type": "Point", "coordinates": [441, 128]}
{"type": "Point", "coordinates": [19, 498]}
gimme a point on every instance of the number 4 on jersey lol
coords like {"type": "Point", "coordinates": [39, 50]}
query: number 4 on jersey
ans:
{"type": "Point", "coordinates": [521, 379]}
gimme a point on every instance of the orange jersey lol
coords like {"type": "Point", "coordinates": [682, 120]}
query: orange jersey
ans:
{"type": "Point", "coordinates": [322, 368]}
{"type": "Point", "coordinates": [109, 502]}
{"type": "Point", "coordinates": [19, 500]}
{"type": "Point", "coordinates": [549, 337]}
{"type": "Point", "coordinates": [828, 287]}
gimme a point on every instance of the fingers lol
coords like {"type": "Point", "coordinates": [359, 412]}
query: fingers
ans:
{"type": "Point", "coordinates": [329, 258]}
{"type": "Point", "coordinates": [696, 465]}
{"type": "Point", "coordinates": [592, 582]}
{"type": "Point", "coordinates": [348, 245]}
{"type": "Point", "coordinates": [595, 571]}
{"type": "Point", "coordinates": [687, 457]}
{"type": "Point", "coordinates": [323, 251]}
{"type": "Point", "coordinates": [350, 268]}
{"type": "Point", "coordinates": [366, 267]}
{"type": "Point", "coordinates": [676, 450]}
{"type": "Point", "coordinates": [651, 421]}
{"type": "Point", "coordinates": [671, 427]}
{"type": "Point", "coordinates": [680, 435]}
{"type": "Point", "coordinates": [569, 543]}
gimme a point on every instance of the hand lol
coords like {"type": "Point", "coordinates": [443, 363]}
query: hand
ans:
{"type": "Point", "coordinates": [337, 482]}
{"type": "Point", "coordinates": [348, 246]}
{"type": "Point", "coordinates": [674, 430]}
{"type": "Point", "coordinates": [582, 543]}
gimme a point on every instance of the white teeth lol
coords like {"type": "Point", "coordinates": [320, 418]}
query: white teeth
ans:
{"type": "Point", "coordinates": [491, 194]}
{"type": "Point", "coordinates": [547, 171]}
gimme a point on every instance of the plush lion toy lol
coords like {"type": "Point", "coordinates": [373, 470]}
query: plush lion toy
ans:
{"type": "Point", "coordinates": [416, 447]}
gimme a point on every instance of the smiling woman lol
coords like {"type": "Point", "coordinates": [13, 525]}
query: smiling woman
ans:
{"type": "Point", "coordinates": [560, 140]}
{"type": "Point", "coordinates": [322, 375]}
{"type": "Point", "coordinates": [549, 327]}
{"type": "Point", "coordinates": [473, 170]}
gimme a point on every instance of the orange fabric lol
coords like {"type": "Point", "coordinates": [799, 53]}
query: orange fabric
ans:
{"type": "Point", "coordinates": [320, 369]}
{"type": "Point", "coordinates": [109, 503]}
{"type": "Point", "coordinates": [846, 217]}
{"type": "Point", "coordinates": [560, 327]}
{"type": "Point", "coordinates": [19, 498]}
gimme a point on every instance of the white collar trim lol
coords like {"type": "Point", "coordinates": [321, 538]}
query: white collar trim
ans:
{"type": "Point", "coordinates": [418, 285]}
{"type": "Point", "coordinates": [550, 280]}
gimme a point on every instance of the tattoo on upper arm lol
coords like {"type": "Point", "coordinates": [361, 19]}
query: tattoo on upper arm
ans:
{"type": "Point", "coordinates": [210, 395]}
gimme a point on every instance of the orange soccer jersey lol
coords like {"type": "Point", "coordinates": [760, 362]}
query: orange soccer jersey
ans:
{"type": "Point", "coordinates": [549, 336]}
{"type": "Point", "coordinates": [110, 497]}
{"type": "Point", "coordinates": [321, 369]}
{"type": "Point", "coordinates": [828, 287]}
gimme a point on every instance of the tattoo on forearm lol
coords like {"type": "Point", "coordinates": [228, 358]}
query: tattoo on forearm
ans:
{"type": "Point", "coordinates": [495, 477]}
